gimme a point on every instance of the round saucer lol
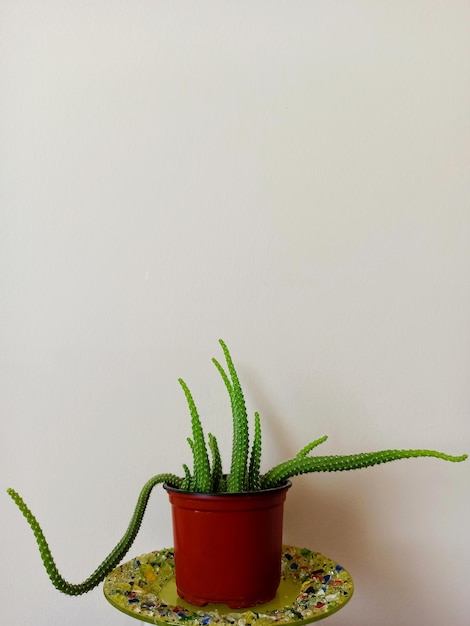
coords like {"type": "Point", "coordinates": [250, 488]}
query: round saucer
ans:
{"type": "Point", "coordinates": [312, 588]}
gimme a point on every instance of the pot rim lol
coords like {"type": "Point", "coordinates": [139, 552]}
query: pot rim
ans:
{"type": "Point", "coordinates": [287, 484]}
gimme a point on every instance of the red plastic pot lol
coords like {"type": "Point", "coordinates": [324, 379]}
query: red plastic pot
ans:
{"type": "Point", "coordinates": [228, 546]}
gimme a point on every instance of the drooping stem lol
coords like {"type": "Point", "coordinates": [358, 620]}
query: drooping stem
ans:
{"type": "Point", "coordinates": [113, 558]}
{"type": "Point", "coordinates": [306, 465]}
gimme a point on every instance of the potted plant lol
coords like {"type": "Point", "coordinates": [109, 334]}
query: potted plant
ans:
{"type": "Point", "coordinates": [223, 521]}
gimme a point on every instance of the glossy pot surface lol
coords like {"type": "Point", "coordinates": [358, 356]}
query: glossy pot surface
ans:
{"type": "Point", "coordinates": [228, 546]}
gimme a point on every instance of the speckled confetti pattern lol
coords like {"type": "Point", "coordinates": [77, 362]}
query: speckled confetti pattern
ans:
{"type": "Point", "coordinates": [316, 588]}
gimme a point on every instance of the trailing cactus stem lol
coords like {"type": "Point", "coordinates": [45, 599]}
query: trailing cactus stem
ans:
{"type": "Point", "coordinates": [113, 558]}
{"type": "Point", "coordinates": [296, 466]}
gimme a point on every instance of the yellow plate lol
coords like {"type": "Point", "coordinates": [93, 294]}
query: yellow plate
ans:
{"type": "Point", "coordinates": [312, 588]}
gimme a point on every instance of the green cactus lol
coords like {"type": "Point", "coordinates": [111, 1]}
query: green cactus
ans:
{"type": "Point", "coordinates": [114, 557]}
{"type": "Point", "coordinates": [208, 477]}
{"type": "Point", "coordinates": [254, 480]}
{"type": "Point", "coordinates": [202, 472]}
{"type": "Point", "coordinates": [217, 479]}
{"type": "Point", "coordinates": [240, 442]}
{"type": "Point", "coordinates": [306, 465]}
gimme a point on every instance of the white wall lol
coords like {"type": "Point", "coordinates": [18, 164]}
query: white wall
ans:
{"type": "Point", "coordinates": [290, 176]}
